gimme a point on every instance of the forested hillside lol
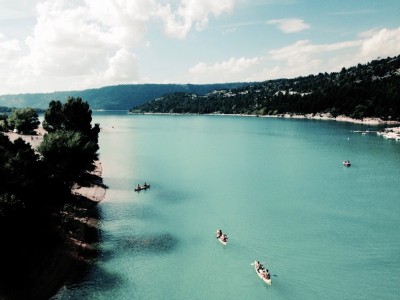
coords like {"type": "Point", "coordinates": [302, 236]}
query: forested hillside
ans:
{"type": "Point", "coordinates": [120, 97]}
{"type": "Point", "coordinates": [368, 90]}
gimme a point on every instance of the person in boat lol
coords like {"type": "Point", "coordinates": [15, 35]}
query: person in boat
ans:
{"type": "Point", "coordinates": [259, 266]}
{"type": "Point", "coordinates": [138, 187]}
{"type": "Point", "coordinates": [224, 238]}
{"type": "Point", "coordinates": [219, 233]}
{"type": "Point", "coordinates": [266, 274]}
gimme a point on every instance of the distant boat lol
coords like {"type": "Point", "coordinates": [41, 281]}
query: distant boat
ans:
{"type": "Point", "coordinates": [222, 237]}
{"type": "Point", "coordinates": [346, 163]}
{"type": "Point", "coordinates": [142, 187]}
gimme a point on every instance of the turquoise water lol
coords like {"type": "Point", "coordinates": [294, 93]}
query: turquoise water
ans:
{"type": "Point", "coordinates": [277, 187]}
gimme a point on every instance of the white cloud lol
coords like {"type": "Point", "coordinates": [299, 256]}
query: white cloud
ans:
{"type": "Point", "coordinates": [122, 67]}
{"type": "Point", "coordinates": [77, 44]}
{"type": "Point", "coordinates": [85, 41]}
{"type": "Point", "coordinates": [289, 25]}
{"type": "Point", "coordinates": [383, 43]}
{"type": "Point", "coordinates": [233, 69]}
{"type": "Point", "coordinates": [303, 57]}
{"type": "Point", "coordinates": [16, 9]}
{"type": "Point", "coordinates": [9, 49]}
{"type": "Point", "coordinates": [192, 13]}
{"type": "Point", "coordinates": [303, 50]}
{"type": "Point", "coordinates": [9, 53]}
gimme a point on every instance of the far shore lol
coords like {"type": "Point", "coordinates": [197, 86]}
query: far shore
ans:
{"type": "Point", "coordinates": [388, 132]}
{"type": "Point", "coordinates": [320, 116]}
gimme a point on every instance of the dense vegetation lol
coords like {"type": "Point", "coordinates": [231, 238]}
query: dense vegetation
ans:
{"type": "Point", "coordinates": [120, 97]}
{"type": "Point", "coordinates": [370, 90]}
{"type": "Point", "coordinates": [35, 190]}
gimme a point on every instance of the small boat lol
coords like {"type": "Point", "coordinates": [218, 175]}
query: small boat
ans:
{"type": "Point", "coordinates": [142, 187]}
{"type": "Point", "coordinates": [260, 273]}
{"type": "Point", "coordinates": [222, 237]}
{"type": "Point", "coordinates": [346, 163]}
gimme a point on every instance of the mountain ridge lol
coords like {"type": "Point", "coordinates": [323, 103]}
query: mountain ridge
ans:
{"type": "Point", "coordinates": [368, 90]}
{"type": "Point", "coordinates": [116, 97]}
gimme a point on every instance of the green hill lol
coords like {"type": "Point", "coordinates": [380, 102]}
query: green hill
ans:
{"type": "Point", "coordinates": [120, 97]}
{"type": "Point", "coordinates": [368, 90]}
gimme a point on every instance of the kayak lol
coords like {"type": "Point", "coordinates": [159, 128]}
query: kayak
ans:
{"type": "Point", "coordinates": [143, 187]}
{"type": "Point", "coordinates": [267, 281]}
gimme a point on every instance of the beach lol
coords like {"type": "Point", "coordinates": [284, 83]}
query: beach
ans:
{"type": "Point", "coordinates": [388, 132]}
{"type": "Point", "coordinates": [391, 133]}
{"type": "Point", "coordinates": [33, 139]}
{"type": "Point", "coordinates": [340, 118]}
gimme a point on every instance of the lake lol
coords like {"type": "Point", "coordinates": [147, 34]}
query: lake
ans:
{"type": "Point", "coordinates": [277, 187]}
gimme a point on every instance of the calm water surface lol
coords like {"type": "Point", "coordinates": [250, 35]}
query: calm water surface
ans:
{"type": "Point", "coordinates": [276, 186]}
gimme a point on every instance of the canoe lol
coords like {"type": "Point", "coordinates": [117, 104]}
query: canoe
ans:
{"type": "Point", "coordinates": [267, 281]}
{"type": "Point", "coordinates": [222, 241]}
{"type": "Point", "coordinates": [142, 187]}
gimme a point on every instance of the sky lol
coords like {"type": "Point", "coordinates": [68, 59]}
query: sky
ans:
{"type": "Point", "coordinates": [63, 45]}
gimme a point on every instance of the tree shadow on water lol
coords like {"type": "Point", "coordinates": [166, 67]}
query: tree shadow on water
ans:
{"type": "Point", "coordinates": [161, 243]}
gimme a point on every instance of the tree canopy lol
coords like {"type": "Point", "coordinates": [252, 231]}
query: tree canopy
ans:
{"type": "Point", "coordinates": [71, 144]}
{"type": "Point", "coordinates": [74, 115]}
{"type": "Point", "coordinates": [53, 117]}
{"type": "Point", "coordinates": [68, 154]}
{"type": "Point", "coordinates": [24, 119]}
{"type": "Point", "coordinates": [41, 181]}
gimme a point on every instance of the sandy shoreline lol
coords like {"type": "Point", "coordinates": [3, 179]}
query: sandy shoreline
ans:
{"type": "Point", "coordinates": [341, 118]}
{"type": "Point", "coordinates": [95, 191]}
{"type": "Point", "coordinates": [33, 139]}
{"type": "Point", "coordinates": [390, 133]}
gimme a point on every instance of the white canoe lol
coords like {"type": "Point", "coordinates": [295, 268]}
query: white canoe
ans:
{"type": "Point", "coordinates": [222, 241]}
{"type": "Point", "coordinates": [267, 281]}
